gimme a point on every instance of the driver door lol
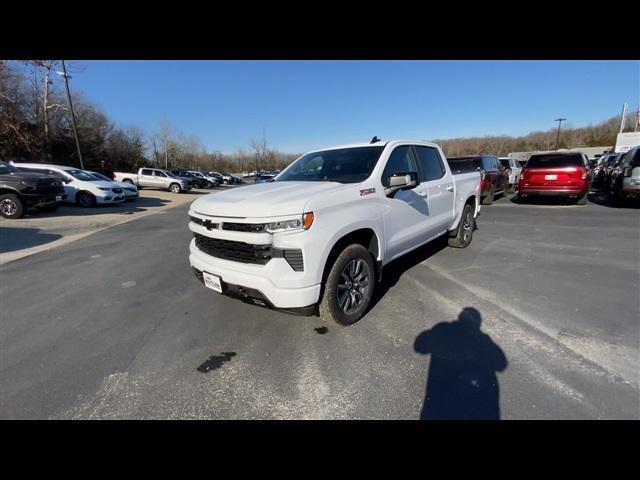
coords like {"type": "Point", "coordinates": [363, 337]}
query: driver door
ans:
{"type": "Point", "coordinates": [406, 214]}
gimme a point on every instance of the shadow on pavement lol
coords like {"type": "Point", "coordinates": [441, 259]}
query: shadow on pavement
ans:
{"type": "Point", "coordinates": [12, 239]}
{"type": "Point", "coordinates": [599, 196]}
{"type": "Point", "coordinates": [461, 382]}
{"type": "Point", "coordinates": [140, 204]}
{"type": "Point", "coordinates": [395, 269]}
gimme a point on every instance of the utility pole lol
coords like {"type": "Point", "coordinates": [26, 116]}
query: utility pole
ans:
{"type": "Point", "coordinates": [559, 120]}
{"type": "Point", "coordinates": [73, 115]}
{"type": "Point", "coordinates": [623, 118]}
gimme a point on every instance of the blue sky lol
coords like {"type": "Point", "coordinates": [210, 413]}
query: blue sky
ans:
{"type": "Point", "coordinates": [312, 104]}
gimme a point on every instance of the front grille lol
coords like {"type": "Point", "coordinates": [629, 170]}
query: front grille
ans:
{"type": "Point", "coordinates": [49, 188]}
{"type": "Point", "coordinates": [244, 227]}
{"type": "Point", "coordinates": [232, 250]}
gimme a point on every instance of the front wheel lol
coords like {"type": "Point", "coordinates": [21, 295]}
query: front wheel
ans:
{"type": "Point", "coordinates": [11, 206]}
{"type": "Point", "coordinates": [462, 236]}
{"type": "Point", "coordinates": [349, 286]}
{"type": "Point", "coordinates": [86, 200]}
{"type": "Point", "coordinates": [174, 188]}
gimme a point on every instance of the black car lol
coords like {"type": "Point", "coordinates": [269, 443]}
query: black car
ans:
{"type": "Point", "coordinates": [194, 182]}
{"type": "Point", "coordinates": [20, 190]}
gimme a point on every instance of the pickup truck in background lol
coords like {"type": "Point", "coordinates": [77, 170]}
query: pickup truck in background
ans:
{"type": "Point", "coordinates": [316, 239]}
{"type": "Point", "coordinates": [154, 178]}
{"type": "Point", "coordinates": [494, 179]}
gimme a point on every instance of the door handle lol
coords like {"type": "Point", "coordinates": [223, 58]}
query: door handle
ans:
{"type": "Point", "coordinates": [449, 188]}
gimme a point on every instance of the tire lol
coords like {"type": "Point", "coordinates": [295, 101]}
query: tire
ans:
{"type": "Point", "coordinates": [463, 234]}
{"type": "Point", "coordinates": [341, 276]}
{"type": "Point", "coordinates": [174, 188]}
{"type": "Point", "coordinates": [11, 206]}
{"type": "Point", "coordinates": [488, 200]}
{"type": "Point", "coordinates": [86, 199]}
{"type": "Point", "coordinates": [127, 180]}
{"type": "Point", "coordinates": [582, 200]}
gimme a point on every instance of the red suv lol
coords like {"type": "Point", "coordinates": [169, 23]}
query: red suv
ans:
{"type": "Point", "coordinates": [563, 175]}
{"type": "Point", "coordinates": [494, 179]}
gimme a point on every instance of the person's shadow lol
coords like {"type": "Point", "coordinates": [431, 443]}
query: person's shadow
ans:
{"type": "Point", "coordinates": [462, 382]}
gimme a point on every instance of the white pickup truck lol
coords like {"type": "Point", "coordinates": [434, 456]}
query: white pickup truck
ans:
{"type": "Point", "coordinates": [154, 178]}
{"type": "Point", "coordinates": [316, 239]}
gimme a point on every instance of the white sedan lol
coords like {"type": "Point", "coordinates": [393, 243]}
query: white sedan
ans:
{"type": "Point", "coordinates": [130, 191]}
{"type": "Point", "coordinates": [81, 187]}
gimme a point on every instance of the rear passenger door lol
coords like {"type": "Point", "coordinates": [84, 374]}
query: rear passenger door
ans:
{"type": "Point", "coordinates": [145, 178]}
{"type": "Point", "coordinates": [439, 189]}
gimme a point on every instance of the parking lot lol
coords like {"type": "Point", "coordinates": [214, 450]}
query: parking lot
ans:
{"type": "Point", "coordinates": [115, 325]}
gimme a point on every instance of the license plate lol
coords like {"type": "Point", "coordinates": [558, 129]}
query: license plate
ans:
{"type": "Point", "coordinates": [212, 281]}
{"type": "Point", "coordinates": [58, 198]}
{"type": "Point", "coordinates": [551, 177]}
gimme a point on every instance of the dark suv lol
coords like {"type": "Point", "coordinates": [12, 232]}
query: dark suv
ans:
{"type": "Point", "coordinates": [494, 179]}
{"type": "Point", "coordinates": [19, 190]}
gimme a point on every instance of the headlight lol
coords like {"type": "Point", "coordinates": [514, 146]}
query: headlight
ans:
{"type": "Point", "coordinates": [303, 223]}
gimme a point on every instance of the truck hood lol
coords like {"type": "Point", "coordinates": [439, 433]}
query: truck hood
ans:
{"type": "Point", "coordinates": [264, 199]}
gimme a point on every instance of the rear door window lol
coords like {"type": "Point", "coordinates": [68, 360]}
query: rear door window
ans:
{"type": "Point", "coordinates": [430, 163]}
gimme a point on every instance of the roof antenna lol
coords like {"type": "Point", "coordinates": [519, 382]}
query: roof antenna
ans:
{"type": "Point", "coordinates": [374, 140]}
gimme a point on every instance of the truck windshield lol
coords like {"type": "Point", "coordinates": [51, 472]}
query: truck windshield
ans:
{"type": "Point", "coordinates": [345, 165]}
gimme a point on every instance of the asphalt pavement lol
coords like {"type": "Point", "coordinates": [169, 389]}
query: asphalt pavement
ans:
{"type": "Point", "coordinates": [538, 319]}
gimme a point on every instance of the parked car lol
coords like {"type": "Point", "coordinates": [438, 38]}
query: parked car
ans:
{"type": "Point", "coordinates": [522, 164]}
{"type": "Point", "coordinates": [322, 232]}
{"type": "Point", "coordinates": [563, 175]}
{"type": "Point", "coordinates": [155, 178]}
{"type": "Point", "coordinates": [130, 191]}
{"type": "Point", "coordinates": [20, 190]}
{"type": "Point", "coordinates": [494, 180]}
{"type": "Point", "coordinates": [204, 181]}
{"type": "Point", "coordinates": [600, 170]}
{"type": "Point", "coordinates": [81, 187]}
{"type": "Point", "coordinates": [625, 180]}
{"type": "Point", "coordinates": [512, 168]}
{"type": "Point", "coordinates": [217, 176]}
{"type": "Point", "coordinates": [230, 179]}
{"type": "Point", "coordinates": [265, 178]}
{"type": "Point", "coordinates": [604, 169]}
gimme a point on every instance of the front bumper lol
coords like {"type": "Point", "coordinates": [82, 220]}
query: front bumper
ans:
{"type": "Point", "coordinates": [109, 199]}
{"type": "Point", "coordinates": [257, 277]}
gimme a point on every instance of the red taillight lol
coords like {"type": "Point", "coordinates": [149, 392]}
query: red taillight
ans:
{"type": "Point", "coordinates": [585, 173]}
{"type": "Point", "coordinates": [523, 174]}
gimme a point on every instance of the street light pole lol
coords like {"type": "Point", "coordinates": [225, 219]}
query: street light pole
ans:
{"type": "Point", "coordinates": [559, 120]}
{"type": "Point", "coordinates": [73, 115]}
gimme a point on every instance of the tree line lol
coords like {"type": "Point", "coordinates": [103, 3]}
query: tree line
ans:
{"type": "Point", "coordinates": [35, 126]}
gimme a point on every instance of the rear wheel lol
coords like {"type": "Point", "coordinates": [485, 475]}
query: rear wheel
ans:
{"type": "Point", "coordinates": [11, 206]}
{"type": "Point", "coordinates": [349, 286]}
{"type": "Point", "coordinates": [128, 180]}
{"type": "Point", "coordinates": [462, 236]}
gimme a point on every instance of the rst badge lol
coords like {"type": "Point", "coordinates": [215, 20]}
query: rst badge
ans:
{"type": "Point", "coordinates": [367, 191]}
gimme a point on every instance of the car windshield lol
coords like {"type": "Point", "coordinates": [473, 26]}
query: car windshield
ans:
{"type": "Point", "coordinates": [82, 175]}
{"type": "Point", "coordinates": [554, 160]}
{"type": "Point", "coordinates": [99, 176]}
{"type": "Point", "coordinates": [6, 169]}
{"type": "Point", "coordinates": [345, 165]}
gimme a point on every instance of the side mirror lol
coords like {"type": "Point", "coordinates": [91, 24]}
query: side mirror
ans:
{"type": "Point", "coordinates": [401, 181]}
